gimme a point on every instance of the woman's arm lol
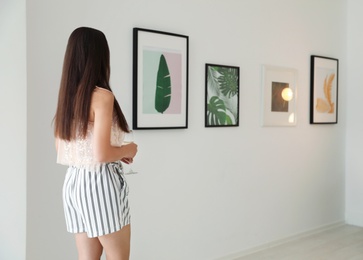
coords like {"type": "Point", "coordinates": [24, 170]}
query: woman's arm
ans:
{"type": "Point", "coordinates": [102, 113]}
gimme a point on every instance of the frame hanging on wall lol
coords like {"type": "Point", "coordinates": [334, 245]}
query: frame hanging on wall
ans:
{"type": "Point", "coordinates": [279, 96]}
{"type": "Point", "coordinates": [222, 95]}
{"type": "Point", "coordinates": [324, 90]}
{"type": "Point", "coordinates": [160, 80]}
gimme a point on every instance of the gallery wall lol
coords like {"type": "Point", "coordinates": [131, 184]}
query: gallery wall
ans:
{"type": "Point", "coordinates": [12, 129]}
{"type": "Point", "coordinates": [200, 193]}
{"type": "Point", "coordinates": [354, 141]}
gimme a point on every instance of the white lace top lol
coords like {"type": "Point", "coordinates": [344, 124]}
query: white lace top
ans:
{"type": "Point", "coordinates": [80, 153]}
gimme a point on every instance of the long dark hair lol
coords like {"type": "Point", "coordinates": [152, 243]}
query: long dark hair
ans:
{"type": "Point", "coordinates": [86, 65]}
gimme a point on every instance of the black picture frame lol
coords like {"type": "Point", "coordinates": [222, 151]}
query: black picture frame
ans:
{"type": "Point", "coordinates": [324, 76]}
{"type": "Point", "coordinates": [222, 87]}
{"type": "Point", "coordinates": [160, 79]}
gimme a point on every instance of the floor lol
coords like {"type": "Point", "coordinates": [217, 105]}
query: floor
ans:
{"type": "Point", "coordinates": [341, 243]}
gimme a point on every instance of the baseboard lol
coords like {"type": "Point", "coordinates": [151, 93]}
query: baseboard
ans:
{"type": "Point", "coordinates": [354, 217]}
{"type": "Point", "coordinates": [278, 242]}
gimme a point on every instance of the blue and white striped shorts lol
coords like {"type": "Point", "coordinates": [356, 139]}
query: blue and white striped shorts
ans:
{"type": "Point", "coordinates": [96, 199]}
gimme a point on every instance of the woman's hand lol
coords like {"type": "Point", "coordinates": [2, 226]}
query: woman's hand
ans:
{"type": "Point", "coordinates": [127, 160]}
{"type": "Point", "coordinates": [130, 151]}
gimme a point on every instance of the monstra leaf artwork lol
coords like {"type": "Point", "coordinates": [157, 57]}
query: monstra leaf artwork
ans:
{"type": "Point", "coordinates": [163, 87]}
{"type": "Point", "coordinates": [222, 106]}
{"type": "Point", "coordinates": [326, 105]}
{"type": "Point", "coordinates": [216, 112]}
{"type": "Point", "coordinates": [228, 81]}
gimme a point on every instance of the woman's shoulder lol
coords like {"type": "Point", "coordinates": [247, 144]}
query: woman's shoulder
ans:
{"type": "Point", "coordinates": [103, 91]}
{"type": "Point", "coordinates": [102, 94]}
{"type": "Point", "coordinates": [102, 97]}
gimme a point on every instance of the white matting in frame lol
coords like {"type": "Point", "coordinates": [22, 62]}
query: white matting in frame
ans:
{"type": "Point", "coordinates": [279, 96]}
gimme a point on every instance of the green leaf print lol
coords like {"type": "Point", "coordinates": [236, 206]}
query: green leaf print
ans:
{"type": "Point", "coordinates": [228, 81]}
{"type": "Point", "coordinates": [216, 112]}
{"type": "Point", "coordinates": [163, 87]}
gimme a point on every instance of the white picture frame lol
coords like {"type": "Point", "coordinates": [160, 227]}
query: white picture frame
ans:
{"type": "Point", "coordinates": [279, 97]}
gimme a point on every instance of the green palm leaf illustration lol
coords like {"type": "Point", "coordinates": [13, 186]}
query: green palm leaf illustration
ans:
{"type": "Point", "coordinates": [163, 87]}
{"type": "Point", "coordinates": [228, 81]}
{"type": "Point", "coordinates": [216, 112]}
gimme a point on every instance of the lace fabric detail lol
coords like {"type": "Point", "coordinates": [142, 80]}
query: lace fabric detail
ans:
{"type": "Point", "coordinates": [79, 152]}
{"type": "Point", "coordinates": [117, 135]}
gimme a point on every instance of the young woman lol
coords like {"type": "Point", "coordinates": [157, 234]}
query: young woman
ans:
{"type": "Point", "coordinates": [89, 130]}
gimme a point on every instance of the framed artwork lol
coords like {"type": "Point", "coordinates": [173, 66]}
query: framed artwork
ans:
{"type": "Point", "coordinates": [324, 90]}
{"type": "Point", "coordinates": [279, 96]}
{"type": "Point", "coordinates": [222, 95]}
{"type": "Point", "coordinates": [160, 80]}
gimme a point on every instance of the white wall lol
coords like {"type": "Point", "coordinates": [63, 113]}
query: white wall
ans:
{"type": "Point", "coordinates": [12, 129]}
{"type": "Point", "coordinates": [354, 163]}
{"type": "Point", "coordinates": [201, 193]}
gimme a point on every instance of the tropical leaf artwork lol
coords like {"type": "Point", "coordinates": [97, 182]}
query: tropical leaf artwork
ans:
{"type": "Point", "coordinates": [326, 105]}
{"type": "Point", "coordinates": [217, 112]}
{"type": "Point", "coordinates": [222, 97]}
{"type": "Point", "coordinates": [163, 87]}
{"type": "Point", "coordinates": [228, 81]}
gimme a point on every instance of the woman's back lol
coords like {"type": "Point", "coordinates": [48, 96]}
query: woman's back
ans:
{"type": "Point", "coordinates": [80, 151]}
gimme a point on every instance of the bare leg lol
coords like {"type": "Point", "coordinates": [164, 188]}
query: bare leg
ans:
{"type": "Point", "coordinates": [117, 244]}
{"type": "Point", "coordinates": [88, 248]}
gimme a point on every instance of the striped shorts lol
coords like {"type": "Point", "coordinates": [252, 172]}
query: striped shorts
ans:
{"type": "Point", "coordinates": [95, 199]}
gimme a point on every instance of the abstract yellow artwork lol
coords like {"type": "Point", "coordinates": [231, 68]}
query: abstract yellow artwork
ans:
{"type": "Point", "coordinates": [326, 105]}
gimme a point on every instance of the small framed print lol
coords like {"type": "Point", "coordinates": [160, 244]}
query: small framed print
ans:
{"type": "Point", "coordinates": [160, 80]}
{"type": "Point", "coordinates": [222, 95]}
{"type": "Point", "coordinates": [279, 96]}
{"type": "Point", "coordinates": [324, 90]}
